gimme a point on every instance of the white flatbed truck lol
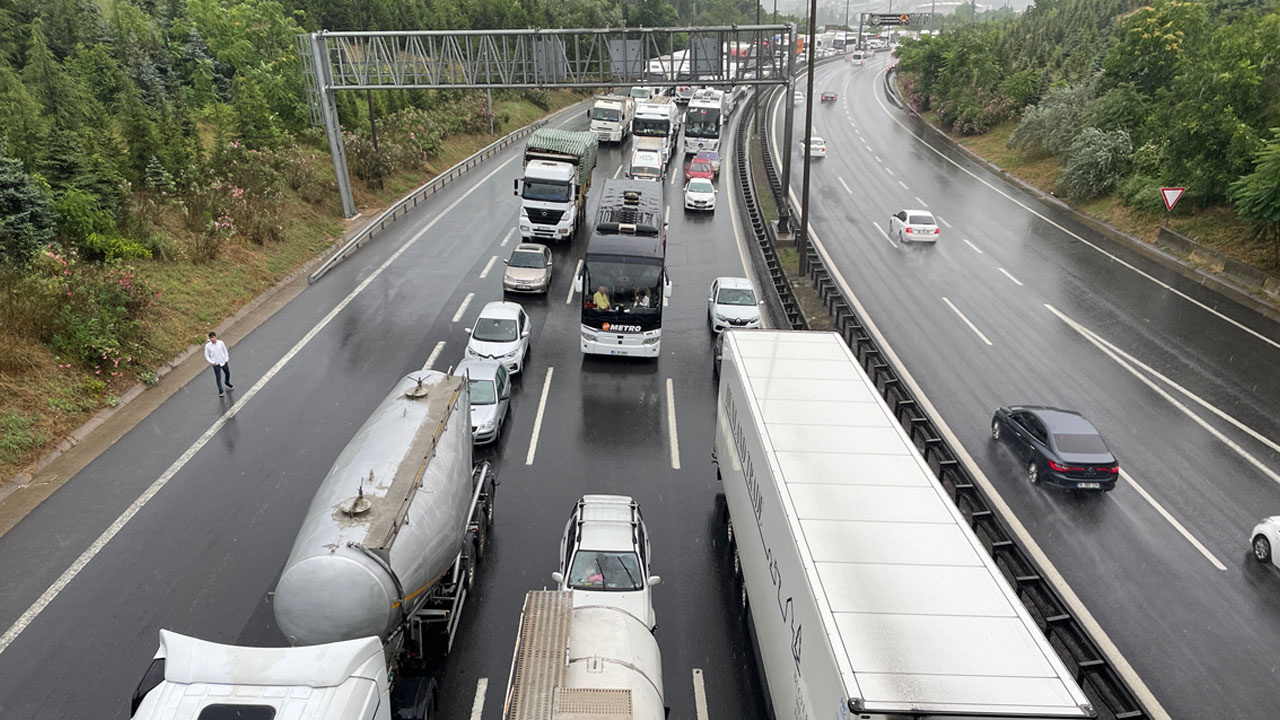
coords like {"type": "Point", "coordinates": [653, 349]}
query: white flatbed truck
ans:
{"type": "Point", "coordinates": [869, 595]}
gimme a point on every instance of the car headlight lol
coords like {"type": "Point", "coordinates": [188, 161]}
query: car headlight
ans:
{"type": "Point", "coordinates": [511, 354]}
{"type": "Point", "coordinates": [525, 228]}
{"type": "Point", "coordinates": [564, 231]}
{"type": "Point", "coordinates": [487, 425]}
{"type": "Point", "coordinates": [471, 353]}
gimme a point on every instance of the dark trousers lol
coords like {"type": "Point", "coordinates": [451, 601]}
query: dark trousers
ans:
{"type": "Point", "coordinates": [220, 372]}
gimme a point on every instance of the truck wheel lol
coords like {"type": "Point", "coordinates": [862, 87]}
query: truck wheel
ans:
{"type": "Point", "coordinates": [413, 697]}
{"type": "Point", "coordinates": [469, 563]}
{"type": "Point", "coordinates": [729, 532]}
{"type": "Point", "coordinates": [482, 540]}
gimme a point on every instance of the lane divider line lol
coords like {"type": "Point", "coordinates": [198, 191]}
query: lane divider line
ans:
{"type": "Point", "coordinates": [966, 320]}
{"type": "Point", "coordinates": [537, 421]}
{"type": "Point", "coordinates": [671, 426]}
{"type": "Point", "coordinates": [573, 284]}
{"type": "Point", "coordinates": [463, 307]}
{"type": "Point", "coordinates": [1172, 521]}
{"type": "Point", "coordinates": [507, 238]}
{"type": "Point", "coordinates": [487, 267]}
{"type": "Point", "coordinates": [477, 705]}
{"type": "Point", "coordinates": [699, 695]}
{"type": "Point", "coordinates": [975, 247]}
{"type": "Point", "coordinates": [943, 220]}
{"type": "Point", "coordinates": [923, 204]}
{"type": "Point", "coordinates": [846, 185]}
{"type": "Point", "coordinates": [1015, 280]}
{"type": "Point", "coordinates": [904, 185]}
{"type": "Point", "coordinates": [615, 172]}
{"type": "Point", "coordinates": [885, 234]}
{"type": "Point", "coordinates": [435, 355]}
{"type": "Point", "coordinates": [52, 592]}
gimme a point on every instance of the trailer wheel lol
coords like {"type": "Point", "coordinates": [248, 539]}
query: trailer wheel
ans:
{"type": "Point", "coordinates": [469, 563]}
{"type": "Point", "coordinates": [414, 697]}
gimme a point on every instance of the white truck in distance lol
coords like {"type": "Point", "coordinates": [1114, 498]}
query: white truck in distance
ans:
{"type": "Point", "coordinates": [657, 126]}
{"type": "Point", "coordinates": [557, 177]}
{"type": "Point", "coordinates": [376, 581]}
{"type": "Point", "coordinates": [869, 594]}
{"type": "Point", "coordinates": [611, 117]}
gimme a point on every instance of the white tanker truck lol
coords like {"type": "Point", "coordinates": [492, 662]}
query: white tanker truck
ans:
{"type": "Point", "coordinates": [375, 583]}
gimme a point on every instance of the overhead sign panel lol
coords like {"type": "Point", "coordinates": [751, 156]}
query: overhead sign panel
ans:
{"type": "Point", "coordinates": [626, 59]}
{"type": "Point", "coordinates": [883, 19]}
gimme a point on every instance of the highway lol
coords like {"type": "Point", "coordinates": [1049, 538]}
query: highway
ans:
{"type": "Point", "coordinates": [1019, 304]}
{"type": "Point", "coordinates": [213, 499]}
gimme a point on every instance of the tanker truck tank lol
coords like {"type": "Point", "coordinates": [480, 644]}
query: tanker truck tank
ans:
{"type": "Point", "coordinates": [390, 522]}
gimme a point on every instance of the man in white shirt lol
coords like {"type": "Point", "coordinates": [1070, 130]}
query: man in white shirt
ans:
{"type": "Point", "coordinates": [215, 351]}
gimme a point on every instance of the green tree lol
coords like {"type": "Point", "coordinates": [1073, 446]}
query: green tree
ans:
{"type": "Point", "coordinates": [45, 78]}
{"type": "Point", "coordinates": [1256, 196]}
{"type": "Point", "coordinates": [255, 122]}
{"type": "Point", "coordinates": [25, 221]}
{"type": "Point", "coordinates": [1153, 44]}
{"type": "Point", "coordinates": [1096, 161]}
{"type": "Point", "coordinates": [24, 126]}
{"type": "Point", "coordinates": [137, 127]}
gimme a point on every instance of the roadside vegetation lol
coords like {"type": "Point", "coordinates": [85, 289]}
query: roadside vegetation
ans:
{"type": "Point", "coordinates": [1104, 102]}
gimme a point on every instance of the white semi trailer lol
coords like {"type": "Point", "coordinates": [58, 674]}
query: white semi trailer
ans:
{"type": "Point", "coordinates": [375, 584]}
{"type": "Point", "coordinates": [869, 595]}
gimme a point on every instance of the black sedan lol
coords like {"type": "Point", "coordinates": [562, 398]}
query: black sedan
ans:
{"type": "Point", "coordinates": [1059, 447]}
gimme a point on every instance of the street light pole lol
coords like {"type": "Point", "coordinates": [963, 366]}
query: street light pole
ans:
{"type": "Point", "coordinates": [802, 233]}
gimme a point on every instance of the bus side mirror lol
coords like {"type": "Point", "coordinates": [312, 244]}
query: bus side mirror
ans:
{"type": "Point", "coordinates": [515, 186]}
{"type": "Point", "coordinates": [666, 288]}
{"type": "Point", "coordinates": [577, 284]}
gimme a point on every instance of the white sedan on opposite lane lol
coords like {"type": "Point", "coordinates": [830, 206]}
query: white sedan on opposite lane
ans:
{"type": "Point", "coordinates": [817, 147]}
{"type": "Point", "coordinates": [501, 333]}
{"type": "Point", "coordinates": [1264, 539]}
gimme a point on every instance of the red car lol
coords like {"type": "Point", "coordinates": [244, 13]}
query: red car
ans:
{"type": "Point", "coordinates": [699, 168]}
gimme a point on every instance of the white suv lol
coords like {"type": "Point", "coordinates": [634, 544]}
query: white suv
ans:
{"type": "Point", "coordinates": [604, 556]}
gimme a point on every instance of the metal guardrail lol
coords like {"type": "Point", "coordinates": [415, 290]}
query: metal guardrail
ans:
{"type": "Point", "coordinates": [764, 256]}
{"type": "Point", "coordinates": [410, 201]}
{"type": "Point", "coordinates": [1111, 695]}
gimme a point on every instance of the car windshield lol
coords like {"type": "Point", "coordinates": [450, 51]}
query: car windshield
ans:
{"type": "Point", "coordinates": [736, 296]}
{"type": "Point", "coordinates": [527, 259]}
{"type": "Point", "coordinates": [700, 167]}
{"type": "Point", "coordinates": [597, 570]}
{"type": "Point", "coordinates": [546, 191]}
{"type": "Point", "coordinates": [604, 113]}
{"type": "Point", "coordinates": [1080, 444]}
{"type": "Point", "coordinates": [700, 185]}
{"type": "Point", "coordinates": [920, 220]}
{"type": "Point", "coordinates": [494, 330]}
{"type": "Point", "coordinates": [482, 392]}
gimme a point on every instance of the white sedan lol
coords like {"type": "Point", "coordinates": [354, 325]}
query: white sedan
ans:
{"type": "Point", "coordinates": [1265, 537]}
{"type": "Point", "coordinates": [501, 333]}
{"type": "Point", "coordinates": [817, 147]}
{"type": "Point", "coordinates": [799, 98]}
{"type": "Point", "coordinates": [700, 194]}
{"type": "Point", "coordinates": [914, 226]}
{"type": "Point", "coordinates": [732, 303]}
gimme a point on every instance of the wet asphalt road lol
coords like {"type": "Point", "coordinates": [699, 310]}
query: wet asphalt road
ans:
{"type": "Point", "coordinates": [999, 312]}
{"type": "Point", "coordinates": [202, 555]}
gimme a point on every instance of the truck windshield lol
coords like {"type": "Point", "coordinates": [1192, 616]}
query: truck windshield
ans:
{"type": "Point", "coordinates": [545, 191]}
{"type": "Point", "coordinates": [631, 288]}
{"type": "Point", "coordinates": [703, 123]}
{"type": "Point", "coordinates": [651, 127]}
{"type": "Point", "coordinates": [604, 113]}
{"type": "Point", "coordinates": [597, 570]}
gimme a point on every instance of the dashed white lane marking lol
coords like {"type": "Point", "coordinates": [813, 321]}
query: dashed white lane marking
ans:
{"type": "Point", "coordinates": [487, 267]}
{"type": "Point", "coordinates": [1014, 279]}
{"type": "Point", "coordinates": [31, 613]}
{"type": "Point", "coordinates": [537, 421]}
{"type": "Point", "coordinates": [904, 185]}
{"type": "Point", "coordinates": [573, 284]}
{"type": "Point", "coordinates": [435, 355]}
{"type": "Point", "coordinates": [675, 173]}
{"type": "Point", "coordinates": [615, 172]}
{"type": "Point", "coordinates": [890, 171]}
{"type": "Point", "coordinates": [507, 238]}
{"type": "Point", "coordinates": [885, 234]}
{"type": "Point", "coordinates": [477, 705]}
{"type": "Point", "coordinates": [1172, 521]}
{"type": "Point", "coordinates": [858, 131]}
{"type": "Point", "coordinates": [923, 204]}
{"type": "Point", "coordinates": [1145, 692]}
{"type": "Point", "coordinates": [667, 216]}
{"type": "Point", "coordinates": [1115, 354]}
{"type": "Point", "coordinates": [942, 220]}
{"type": "Point", "coordinates": [671, 426]}
{"type": "Point", "coordinates": [966, 320]}
{"type": "Point", "coordinates": [877, 157]}
{"type": "Point", "coordinates": [699, 695]}
{"type": "Point", "coordinates": [846, 186]}
{"type": "Point", "coordinates": [975, 247]}
{"type": "Point", "coordinates": [463, 307]}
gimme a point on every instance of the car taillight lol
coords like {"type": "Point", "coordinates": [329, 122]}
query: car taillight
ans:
{"type": "Point", "coordinates": [1114, 469]}
{"type": "Point", "coordinates": [936, 231]}
{"type": "Point", "coordinates": [908, 231]}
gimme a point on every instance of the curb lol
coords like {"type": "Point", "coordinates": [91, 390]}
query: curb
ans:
{"type": "Point", "coordinates": [1235, 292]}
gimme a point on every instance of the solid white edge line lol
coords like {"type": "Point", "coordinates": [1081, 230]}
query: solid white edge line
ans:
{"type": "Point", "coordinates": [435, 355]}
{"type": "Point", "coordinates": [975, 247]}
{"type": "Point", "coordinates": [1130, 266]}
{"type": "Point", "coordinates": [1046, 566]}
{"type": "Point", "coordinates": [487, 267]}
{"type": "Point", "coordinates": [966, 320]}
{"type": "Point", "coordinates": [846, 186]}
{"type": "Point", "coordinates": [699, 695]}
{"type": "Point", "coordinates": [885, 234]}
{"type": "Point", "coordinates": [507, 238]}
{"type": "Point", "coordinates": [463, 307]}
{"type": "Point", "coordinates": [942, 220]}
{"type": "Point", "coordinates": [537, 420]}
{"type": "Point", "coordinates": [477, 705]}
{"type": "Point", "coordinates": [671, 426]}
{"type": "Point", "coordinates": [52, 592]}
{"type": "Point", "coordinates": [1218, 434]}
{"type": "Point", "coordinates": [1014, 279]}
{"type": "Point", "coordinates": [923, 204]}
{"type": "Point", "coordinates": [573, 284]}
{"type": "Point", "coordinates": [1172, 521]}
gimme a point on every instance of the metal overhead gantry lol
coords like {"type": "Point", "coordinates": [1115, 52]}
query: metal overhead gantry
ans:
{"type": "Point", "coordinates": [536, 58]}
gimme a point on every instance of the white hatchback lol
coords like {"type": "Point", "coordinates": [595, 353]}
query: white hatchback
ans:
{"type": "Point", "coordinates": [700, 194]}
{"type": "Point", "coordinates": [501, 333]}
{"type": "Point", "coordinates": [1264, 539]}
{"type": "Point", "coordinates": [732, 303]}
{"type": "Point", "coordinates": [604, 556]}
{"type": "Point", "coordinates": [914, 226]}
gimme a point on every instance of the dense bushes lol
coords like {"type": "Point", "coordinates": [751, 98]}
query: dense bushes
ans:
{"type": "Point", "coordinates": [1095, 162]}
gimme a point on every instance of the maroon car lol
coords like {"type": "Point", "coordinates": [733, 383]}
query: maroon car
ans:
{"type": "Point", "coordinates": [699, 168]}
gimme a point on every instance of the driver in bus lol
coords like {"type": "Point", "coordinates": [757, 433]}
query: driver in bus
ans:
{"type": "Point", "coordinates": [601, 299]}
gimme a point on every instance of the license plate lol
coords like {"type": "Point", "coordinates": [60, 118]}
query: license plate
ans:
{"type": "Point", "coordinates": [1089, 485]}
{"type": "Point", "coordinates": [525, 287]}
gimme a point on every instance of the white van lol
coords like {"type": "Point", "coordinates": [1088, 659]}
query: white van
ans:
{"type": "Point", "coordinates": [645, 165]}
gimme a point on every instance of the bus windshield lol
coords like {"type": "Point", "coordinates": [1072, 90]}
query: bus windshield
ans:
{"type": "Point", "coordinates": [623, 286]}
{"type": "Point", "coordinates": [703, 123]}
{"type": "Point", "coordinates": [651, 127]}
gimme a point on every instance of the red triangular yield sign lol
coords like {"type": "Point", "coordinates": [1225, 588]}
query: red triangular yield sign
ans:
{"type": "Point", "coordinates": [1171, 196]}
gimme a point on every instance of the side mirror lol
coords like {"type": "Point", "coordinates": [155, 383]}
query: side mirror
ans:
{"type": "Point", "coordinates": [525, 333]}
{"type": "Point", "coordinates": [558, 577]}
{"type": "Point", "coordinates": [655, 580]}
{"type": "Point", "coordinates": [468, 331]}
{"type": "Point", "coordinates": [666, 289]}
{"type": "Point", "coordinates": [515, 186]}
{"type": "Point", "coordinates": [760, 303]}
{"type": "Point", "coordinates": [506, 261]}
{"type": "Point", "coordinates": [577, 284]}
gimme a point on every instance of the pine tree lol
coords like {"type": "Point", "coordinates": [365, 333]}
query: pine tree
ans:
{"type": "Point", "coordinates": [45, 78]}
{"type": "Point", "coordinates": [25, 220]}
{"type": "Point", "coordinates": [254, 119]}
{"type": "Point", "coordinates": [24, 127]}
{"type": "Point", "coordinates": [138, 129]}
{"type": "Point", "coordinates": [158, 180]}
